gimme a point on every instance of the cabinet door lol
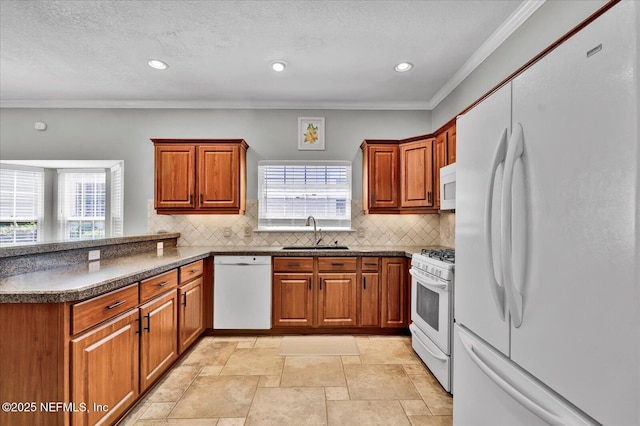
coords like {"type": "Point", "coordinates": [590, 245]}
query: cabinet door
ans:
{"type": "Point", "coordinates": [370, 299]}
{"type": "Point", "coordinates": [219, 177]}
{"type": "Point", "coordinates": [337, 304]}
{"type": "Point", "coordinates": [395, 294]}
{"type": "Point", "coordinates": [104, 370]}
{"type": "Point", "coordinates": [451, 145]}
{"type": "Point", "coordinates": [190, 310]}
{"type": "Point", "coordinates": [416, 173]}
{"type": "Point", "coordinates": [383, 177]}
{"type": "Point", "coordinates": [440, 160]}
{"type": "Point", "coordinates": [292, 300]}
{"type": "Point", "coordinates": [158, 343]}
{"type": "Point", "coordinates": [175, 176]}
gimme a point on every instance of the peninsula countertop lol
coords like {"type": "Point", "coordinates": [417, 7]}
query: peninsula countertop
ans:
{"type": "Point", "coordinates": [84, 280]}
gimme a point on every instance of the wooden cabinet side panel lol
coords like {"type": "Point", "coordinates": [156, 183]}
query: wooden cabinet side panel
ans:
{"type": "Point", "coordinates": [158, 342]}
{"type": "Point", "coordinates": [395, 298]}
{"type": "Point", "coordinates": [440, 160]}
{"type": "Point", "coordinates": [34, 361]}
{"type": "Point", "coordinates": [219, 177]}
{"type": "Point", "coordinates": [370, 299]}
{"type": "Point", "coordinates": [337, 299]}
{"type": "Point", "coordinates": [190, 323]}
{"type": "Point", "coordinates": [105, 370]}
{"type": "Point", "coordinates": [451, 145]}
{"type": "Point", "coordinates": [292, 300]}
{"type": "Point", "coordinates": [174, 176]}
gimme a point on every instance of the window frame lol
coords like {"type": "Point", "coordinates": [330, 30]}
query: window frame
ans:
{"type": "Point", "coordinates": [39, 213]}
{"type": "Point", "coordinates": [296, 222]}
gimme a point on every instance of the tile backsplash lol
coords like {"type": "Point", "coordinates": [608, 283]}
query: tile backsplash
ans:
{"type": "Point", "coordinates": [379, 230]}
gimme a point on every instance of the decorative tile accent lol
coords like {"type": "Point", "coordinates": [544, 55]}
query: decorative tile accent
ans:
{"type": "Point", "coordinates": [379, 230]}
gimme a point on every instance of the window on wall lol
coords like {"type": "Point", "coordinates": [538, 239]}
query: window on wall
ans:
{"type": "Point", "coordinates": [81, 204]}
{"type": "Point", "coordinates": [290, 191]}
{"type": "Point", "coordinates": [117, 211]}
{"type": "Point", "coordinates": [21, 204]}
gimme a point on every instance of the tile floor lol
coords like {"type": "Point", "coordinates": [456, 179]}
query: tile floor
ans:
{"type": "Point", "coordinates": [228, 381]}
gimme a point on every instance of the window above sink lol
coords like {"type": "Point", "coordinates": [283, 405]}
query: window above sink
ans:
{"type": "Point", "coordinates": [290, 191]}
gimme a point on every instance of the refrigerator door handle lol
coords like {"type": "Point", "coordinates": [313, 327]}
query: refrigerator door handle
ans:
{"type": "Point", "coordinates": [514, 298]}
{"type": "Point", "coordinates": [515, 391]}
{"type": "Point", "coordinates": [496, 289]}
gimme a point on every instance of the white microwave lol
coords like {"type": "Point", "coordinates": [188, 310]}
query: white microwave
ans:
{"type": "Point", "coordinates": [448, 187]}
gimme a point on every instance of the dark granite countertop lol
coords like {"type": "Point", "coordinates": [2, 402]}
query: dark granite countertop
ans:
{"type": "Point", "coordinates": [84, 280]}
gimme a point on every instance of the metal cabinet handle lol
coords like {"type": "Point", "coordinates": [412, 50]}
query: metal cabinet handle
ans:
{"type": "Point", "coordinates": [148, 327]}
{"type": "Point", "coordinates": [309, 283]}
{"type": "Point", "coordinates": [190, 198]}
{"type": "Point", "coordinates": [337, 264]}
{"type": "Point", "coordinates": [118, 303]}
{"type": "Point", "coordinates": [370, 264]}
{"type": "Point", "coordinates": [139, 328]}
{"type": "Point", "coordinates": [429, 197]}
{"type": "Point", "coordinates": [200, 198]}
{"type": "Point", "coordinates": [364, 279]}
{"type": "Point", "coordinates": [163, 283]}
{"type": "Point", "coordinates": [293, 264]}
{"type": "Point", "coordinates": [184, 300]}
{"type": "Point", "coordinates": [320, 283]}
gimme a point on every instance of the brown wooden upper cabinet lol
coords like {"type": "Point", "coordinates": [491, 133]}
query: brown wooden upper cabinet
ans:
{"type": "Point", "coordinates": [200, 176]}
{"type": "Point", "coordinates": [397, 176]}
{"type": "Point", "coordinates": [416, 174]}
{"type": "Point", "coordinates": [380, 175]}
{"type": "Point", "coordinates": [445, 153]}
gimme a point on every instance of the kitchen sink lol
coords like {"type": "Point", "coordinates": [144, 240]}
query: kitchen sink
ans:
{"type": "Point", "coordinates": [315, 248]}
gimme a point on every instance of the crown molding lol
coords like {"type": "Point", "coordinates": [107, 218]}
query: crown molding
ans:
{"type": "Point", "coordinates": [161, 104]}
{"type": "Point", "coordinates": [508, 27]}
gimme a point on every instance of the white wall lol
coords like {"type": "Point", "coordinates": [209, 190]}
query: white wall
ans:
{"type": "Point", "coordinates": [123, 134]}
{"type": "Point", "coordinates": [549, 23]}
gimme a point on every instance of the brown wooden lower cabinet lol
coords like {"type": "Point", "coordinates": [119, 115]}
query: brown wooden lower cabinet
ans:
{"type": "Point", "coordinates": [158, 338]}
{"type": "Point", "coordinates": [334, 292]}
{"type": "Point", "coordinates": [395, 292]}
{"type": "Point", "coordinates": [337, 304]}
{"type": "Point", "coordinates": [104, 372]}
{"type": "Point", "coordinates": [190, 322]}
{"type": "Point", "coordinates": [292, 300]}
{"type": "Point", "coordinates": [88, 361]}
{"type": "Point", "coordinates": [370, 299]}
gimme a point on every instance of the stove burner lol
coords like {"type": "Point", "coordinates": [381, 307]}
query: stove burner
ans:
{"type": "Point", "coordinates": [445, 255]}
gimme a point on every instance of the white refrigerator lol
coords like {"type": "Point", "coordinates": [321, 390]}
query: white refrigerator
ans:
{"type": "Point", "coordinates": [547, 298]}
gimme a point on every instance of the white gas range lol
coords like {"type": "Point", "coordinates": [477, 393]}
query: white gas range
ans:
{"type": "Point", "coordinates": [432, 274]}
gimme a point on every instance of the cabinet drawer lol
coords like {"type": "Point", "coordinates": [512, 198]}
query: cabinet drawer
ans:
{"type": "Point", "coordinates": [293, 264]}
{"type": "Point", "coordinates": [93, 311]}
{"type": "Point", "coordinates": [190, 271]}
{"type": "Point", "coordinates": [369, 264]}
{"type": "Point", "coordinates": [331, 264]}
{"type": "Point", "coordinates": [158, 284]}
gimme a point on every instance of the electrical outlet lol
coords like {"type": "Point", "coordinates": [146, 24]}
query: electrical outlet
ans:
{"type": "Point", "coordinates": [227, 232]}
{"type": "Point", "coordinates": [247, 231]}
{"type": "Point", "coordinates": [160, 245]}
{"type": "Point", "coordinates": [360, 232]}
{"type": "Point", "coordinates": [94, 255]}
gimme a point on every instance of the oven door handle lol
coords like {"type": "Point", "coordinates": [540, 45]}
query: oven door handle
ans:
{"type": "Point", "coordinates": [442, 286]}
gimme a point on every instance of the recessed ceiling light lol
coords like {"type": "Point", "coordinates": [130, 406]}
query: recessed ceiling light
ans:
{"type": "Point", "coordinates": [403, 66]}
{"type": "Point", "coordinates": [278, 66]}
{"type": "Point", "coordinates": [157, 64]}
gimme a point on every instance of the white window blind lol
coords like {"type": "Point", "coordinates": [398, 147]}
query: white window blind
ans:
{"type": "Point", "coordinates": [82, 204]}
{"type": "Point", "coordinates": [117, 213]}
{"type": "Point", "coordinates": [289, 192]}
{"type": "Point", "coordinates": [21, 204]}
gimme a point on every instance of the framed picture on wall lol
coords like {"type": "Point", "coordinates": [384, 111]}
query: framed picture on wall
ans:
{"type": "Point", "coordinates": [311, 133]}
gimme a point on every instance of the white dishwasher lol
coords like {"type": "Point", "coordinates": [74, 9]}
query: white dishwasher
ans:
{"type": "Point", "coordinates": [242, 292]}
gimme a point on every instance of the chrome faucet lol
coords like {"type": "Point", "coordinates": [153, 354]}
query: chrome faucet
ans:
{"type": "Point", "coordinates": [316, 241]}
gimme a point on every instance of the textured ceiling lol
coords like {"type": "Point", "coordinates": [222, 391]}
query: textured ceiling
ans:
{"type": "Point", "coordinates": [340, 54]}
